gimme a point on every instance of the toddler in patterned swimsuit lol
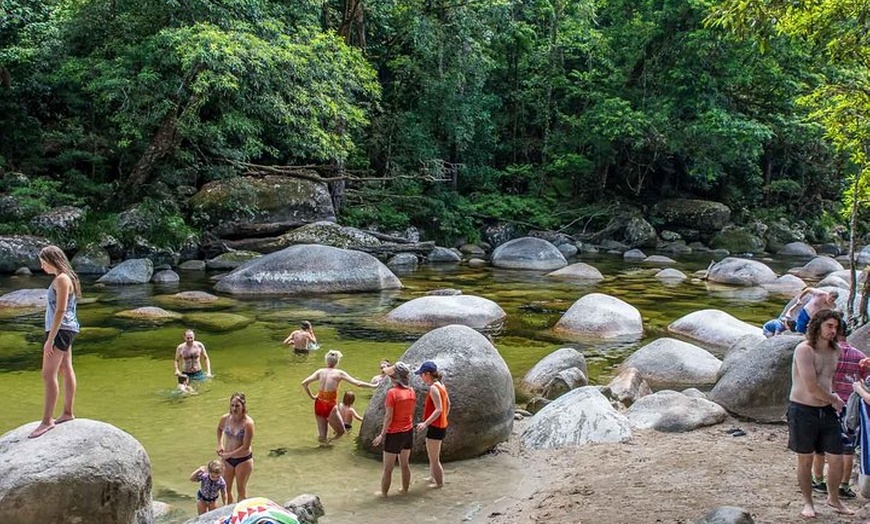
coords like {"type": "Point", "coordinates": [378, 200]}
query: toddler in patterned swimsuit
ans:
{"type": "Point", "coordinates": [211, 485]}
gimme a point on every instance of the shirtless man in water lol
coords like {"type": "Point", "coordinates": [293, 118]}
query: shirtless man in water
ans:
{"type": "Point", "coordinates": [327, 394]}
{"type": "Point", "coordinates": [813, 422]}
{"type": "Point", "coordinates": [302, 338]}
{"type": "Point", "coordinates": [190, 352]}
{"type": "Point", "coordinates": [819, 300]}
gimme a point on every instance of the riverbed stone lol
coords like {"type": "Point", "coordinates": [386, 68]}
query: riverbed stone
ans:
{"type": "Point", "coordinates": [135, 271]}
{"type": "Point", "coordinates": [192, 265]}
{"type": "Point", "coordinates": [659, 260]}
{"type": "Point", "coordinates": [670, 275]}
{"type": "Point", "coordinates": [442, 255]}
{"type": "Point", "coordinates": [91, 259]}
{"type": "Point", "coordinates": [834, 281]}
{"type": "Point", "coordinates": [672, 412]}
{"type": "Point", "coordinates": [434, 311]}
{"type": "Point", "coordinates": [681, 214]}
{"type": "Point", "coordinates": [167, 276]}
{"type": "Point", "coordinates": [149, 313]}
{"type": "Point", "coordinates": [634, 255]}
{"type": "Point", "coordinates": [481, 393]}
{"type": "Point", "coordinates": [567, 250]}
{"type": "Point", "coordinates": [627, 387]}
{"type": "Point", "coordinates": [601, 316]}
{"type": "Point", "coordinates": [727, 515]}
{"type": "Point", "coordinates": [25, 299]}
{"type": "Point", "coordinates": [796, 249]}
{"type": "Point", "coordinates": [63, 219]}
{"type": "Point", "coordinates": [713, 327]}
{"type": "Point", "coordinates": [737, 239]}
{"type": "Point", "coordinates": [472, 250]}
{"type": "Point", "coordinates": [188, 300]}
{"type": "Point", "coordinates": [740, 272]}
{"type": "Point", "coordinates": [668, 363]}
{"type": "Point", "coordinates": [81, 471]}
{"type": "Point", "coordinates": [539, 378]}
{"type": "Point", "coordinates": [328, 233]}
{"type": "Point", "coordinates": [786, 284]}
{"type": "Point", "coordinates": [817, 268]}
{"type": "Point", "coordinates": [212, 321]}
{"type": "Point", "coordinates": [528, 253]}
{"type": "Point", "coordinates": [757, 385]}
{"type": "Point", "coordinates": [578, 271]}
{"type": "Point", "coordinates": [231, 260]}
{"type": "Point", "coordinates": [582, 416]}
{"type": "Point", "coordinates": [403, 261]}
{"type": "Point", "coordinates": [309, 268]}
{"type": "Point", "coordinates": [20, 250]}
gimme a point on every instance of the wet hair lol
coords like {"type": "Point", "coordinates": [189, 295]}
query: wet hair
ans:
{"type": "Point", "coordinates": [241, 398]}
{"type": "Point", "coordinates": [306, 325]}
{"type": "Point", "coordinates": [216, 466]}
{"type": "Point", "coordinates": [183, 379]}
{"type": "Point", "coordinates": [815, 326]}
{"type": "Point", "coordinates": [55, 256]}
{"type": "Point", "coordinates": [332, 357]}
{"type": "Point", "coordinates": [349, 398]}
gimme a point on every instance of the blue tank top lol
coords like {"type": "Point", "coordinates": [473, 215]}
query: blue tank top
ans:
{"type": "Point", "coordinates": [69, 321]}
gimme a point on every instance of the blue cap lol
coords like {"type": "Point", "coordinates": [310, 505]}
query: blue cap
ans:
{"type": "Point", "coordinates": [426, 367]}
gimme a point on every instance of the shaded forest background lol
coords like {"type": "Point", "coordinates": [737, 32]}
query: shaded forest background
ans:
{"type": "Point", "coordinates": [442, 114]}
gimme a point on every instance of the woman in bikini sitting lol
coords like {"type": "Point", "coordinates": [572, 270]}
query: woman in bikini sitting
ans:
{"type": "Point", "coordinates": [235, 432]}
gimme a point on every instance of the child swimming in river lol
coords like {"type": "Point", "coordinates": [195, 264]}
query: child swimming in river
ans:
{"type": "Point", "coordinates": [211, 486]}
{"type": "Point", "coordinates": [184, 385]}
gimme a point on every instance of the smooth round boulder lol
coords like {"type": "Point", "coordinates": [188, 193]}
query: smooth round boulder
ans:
{"type": "Point", "coordinates": [167, 276]}
{"type": "Point", "coordinates": [672, 412]}
{"type": "Point", "coordinates": [403, 261]}
{"type": "Point", "coordinates": [634, 255]}
{"type": "Point", "coordinates": [480, 386]}
{"type": "Point", "coordinates": [193, 300]}
{"type": "Point", "coordinates": [757, 385]}
{"type": "Point", "coordinates": [442, 255]}
{"type": "Point", "coordinates": [135, 271]}
{"type": "Point", "coordinates": [834, 281]}
{"type": "Point", "coordinates": [601, 316]}
{"type": "Point", "coordinates": [192, 265]}
{"type": "Point", "coordinates": [578, 271]}
{"type": "Point", "coordinates": [786, 285]}
{"type": "Point", "coordinates": [713, 327]}
{"type": "Point", "coordinates": [567, 250]}
{"type": "Point", "coordinates": [740, 272]}
{"type": "Point", "coordinates": [670, 275]}
{"type": "Point", "coordinates": [627, 387]}
{"type": "Point", "coordinates": [582, 416]}
{"type": "Point", "coordinates": [797, 249]}
{"type": "Point", "coordinates": [668, 363]}
{"type": "Point", "coordinates": [218, 321]}
{"type": "Point", "coordinates": [658, 260]}
{"type": "Point", "coordinates": [81, 471]}
{"type": "Point", "coordinates": [818, 268]}
{"type": "Point", "coordinates": [435, 311]}
{"type": "Point", "coordinates": [541, 375]}
{"type": "Point", "coordinates": [25, 299]}
{"type": "Point", "coordinates": [309, 268]}
{"type": "Point", "coordinates": [528, 253]}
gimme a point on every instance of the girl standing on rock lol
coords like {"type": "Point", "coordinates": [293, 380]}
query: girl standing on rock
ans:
{"type": "Point", "coordinates": [61, 328]}
{"type": "Point", "coordinates": [235, 432]}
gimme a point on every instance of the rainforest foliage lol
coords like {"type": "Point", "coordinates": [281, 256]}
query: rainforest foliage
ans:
{"type": "Point", "coordinates": [461, 112]}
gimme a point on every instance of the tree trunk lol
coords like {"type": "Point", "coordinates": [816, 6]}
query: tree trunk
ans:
{"type": "Point", "coordinates": [853, 226]}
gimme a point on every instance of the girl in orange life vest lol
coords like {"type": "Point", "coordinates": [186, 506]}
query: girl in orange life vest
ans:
{"type": "Point", "coordinates": [435, 413]}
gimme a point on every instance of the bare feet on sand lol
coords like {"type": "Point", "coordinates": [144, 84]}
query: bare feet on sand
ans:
{"type": "Point", "coordinates": [840, 508]}
{"type": "Point", "coordinates": [40, 430]}
{"type": "Point", "coordinates": [64, 418]}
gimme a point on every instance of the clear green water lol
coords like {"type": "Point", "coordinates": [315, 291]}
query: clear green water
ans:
{"type": "Point", "coordinates": [125, 374]}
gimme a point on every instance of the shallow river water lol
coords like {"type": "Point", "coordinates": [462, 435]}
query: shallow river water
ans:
{"type": "Point", "coordinates": [125, 376]}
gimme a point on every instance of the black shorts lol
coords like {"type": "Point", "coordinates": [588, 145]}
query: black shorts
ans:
{"type": "Point", "coordinates": [63, 340]}
{"type": "Point", "coordinates": [814, 429]}
{"type": "Point", "coordinates": [396, 442]}
{"type": "Point", "coordinates": [436, 433]}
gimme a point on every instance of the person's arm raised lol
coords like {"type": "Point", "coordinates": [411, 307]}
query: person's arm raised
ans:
{"type": "Point", "coordinates": [356, 382]}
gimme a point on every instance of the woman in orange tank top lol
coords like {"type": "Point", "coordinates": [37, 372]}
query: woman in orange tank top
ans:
{"type": "Point", "coordinates": [435, 413]}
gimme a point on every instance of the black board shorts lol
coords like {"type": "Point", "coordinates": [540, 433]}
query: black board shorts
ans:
{"type": "Point", "coordinates": [814, 429]}
{"type": "Point", "coordinates": [63, 340]}
{"type": "Point", "coordinates": [434, 433]}
{"type": "Point", "coordinates": [396, 442]}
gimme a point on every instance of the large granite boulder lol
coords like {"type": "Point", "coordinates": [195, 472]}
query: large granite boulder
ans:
{"type": "Point", "coordinates": [578, 271]}
{"type": "Point", "coordinates": [817, 268]}
{"type": "Point", "coordinates": [64, 219]}
{"type": "Point", "coordinates": [740, 272]}
{"type": "Point", "coordinates": [91, 259]}
{"type": "Point", "coordinates": [672, 412]}
{"type": "Point", "coordinates": [81, 471]}
{"type": "Point", "coordinates": [435, 311]}
{"type": "Point", "coordinates": [579, 417]}
{"type": "Point", "coordinates": [601, 316]}
{"type": "Point", "coordinates": [20, 251]}
{"type": "Point", "coordinates": [135, 271]}
{"type": "Point", "coordinates": [280, 204]}
{"type": "Point", "coordinates": [736, 239]}
{"type": "Point", "coordinates": [25, 299]}
{"type": "Point", "coordinates": [443, 255]}
{"type": "Point", "coordinates": [480, 387]}
{"type": "Point", "coordinates": [757, 385]}
{"type": "Point", "coordinates": [528, 253]}
{"type": "Point", "coordinates": [786, 285]}
{"type": "Point", "coordinates": [329, 234]}
{"type": "Point", "coordinates": [231, 260]}
{"type": "Point", "coordinates": [309, 269]}
{"type": "Point", "coordinates": [686, 214]}
{"type": "Point", "coordinates": [796, 249]}
{"type": "Point", "coordinates": [540, 379]}
{"type": "Point", "coordinates": [667, 363]}
{"type": "Point", "coordinates": [713, 327]}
